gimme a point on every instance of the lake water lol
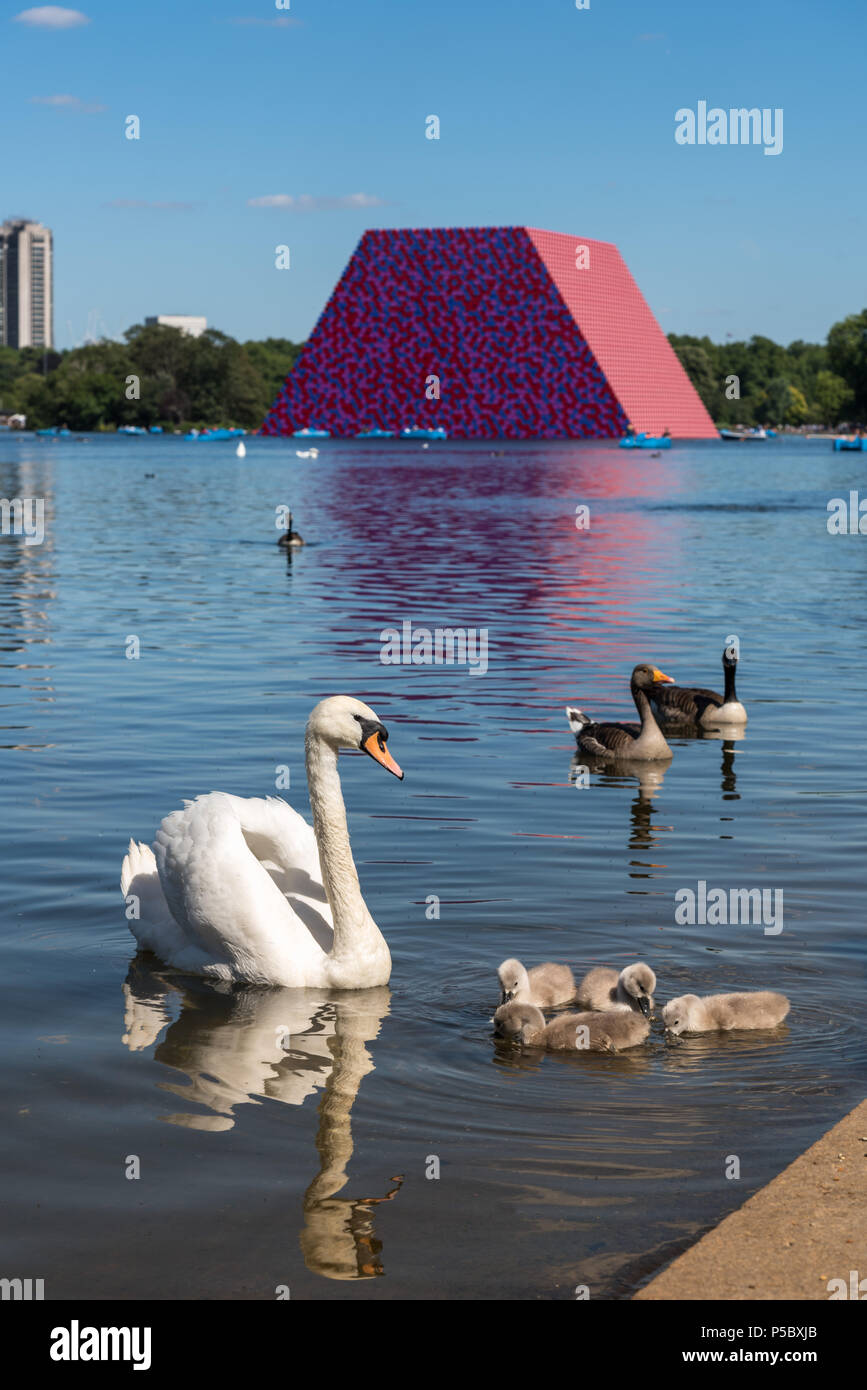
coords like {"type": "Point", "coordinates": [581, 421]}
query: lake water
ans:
{"type": "Point", "coordinates": [309, 1169]}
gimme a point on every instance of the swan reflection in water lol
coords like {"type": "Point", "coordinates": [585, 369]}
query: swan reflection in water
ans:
{"type": "Point", "coordinates": [237, 1045]}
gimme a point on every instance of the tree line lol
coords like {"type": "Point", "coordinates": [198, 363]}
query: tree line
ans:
{"type": "Point", "coordinates": [758, 382]}
{"type": "Point", "coordinates": [156, 376]}
{"type": "Point", "coordinates": [161, 376]}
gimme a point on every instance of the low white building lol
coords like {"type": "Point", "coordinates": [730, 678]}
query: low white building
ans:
{"type": "Point", "coordinates": [191, 324]}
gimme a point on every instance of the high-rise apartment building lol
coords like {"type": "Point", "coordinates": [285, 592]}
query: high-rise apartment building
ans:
{"type": "Point", "coordinates": [26, 285]}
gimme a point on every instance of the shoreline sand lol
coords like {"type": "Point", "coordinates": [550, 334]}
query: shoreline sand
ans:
{"type": "Point", "coordinates": [805, 1228]}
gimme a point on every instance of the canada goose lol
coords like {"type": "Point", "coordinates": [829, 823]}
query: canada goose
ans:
{"type": "Point", "coordinates": [244, 890]}
{"type": "Point", "coordinates": [585, 1032]}
{"type": "Point", "coordinates": [722, 1012]}
{"type": "Point", "coordinates": [544, 985]}
{"type": "Point", "coordinates": [602, 988]}
{"type": "Point", "coordinates": [291, 538]}
{"type": "Point", "coordinates": [684, 704]}
{"type": "Point", "coordinates": [642, 741]}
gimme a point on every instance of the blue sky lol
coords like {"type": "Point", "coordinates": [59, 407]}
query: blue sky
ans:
{"type": "Point", "coordinates": [550, 116]}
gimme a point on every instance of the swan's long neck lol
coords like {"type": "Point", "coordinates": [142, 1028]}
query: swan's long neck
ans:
{"type": "Point", "coordinates": [729, 696]}
{"type": "Point", "coordinates": [352, 921]}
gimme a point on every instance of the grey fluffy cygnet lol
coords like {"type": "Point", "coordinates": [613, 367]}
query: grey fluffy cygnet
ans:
{"type": "Point", "coordinates": [603, 988]}
{"type": "Point", "coordinates": [586, 1032]}
{"type": "Point", "coordinates": [718, 1012]}
{"type": "Point", "coordinates": [545, 985]}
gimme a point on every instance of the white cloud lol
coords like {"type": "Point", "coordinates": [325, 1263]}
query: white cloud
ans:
{"type": "Point", "coordinates": [307, 203]}
{"type": "Point", "coordinates": [282, 23]}
{"type": "Point", "coordinates": [143, 203]}
{"type": "Point", "coordinates": [67, 103]}
{"type": "Point", "coordinates": [52, 17]}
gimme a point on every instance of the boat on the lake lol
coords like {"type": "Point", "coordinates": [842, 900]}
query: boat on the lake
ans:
{"type": "Point", "coordinates": [56, 432]}
{"type": "Point", "coordinates": [375, 434]}
{"type": "Point", "coordinates": [744, 436]}
{"type": "Point", "coordinates": [859, 442]}
{"type": "Point", "coordinates": [131, 429]}
{"type": "Point", "coordinates": [207, 435]}
{"type": "Point", "coordinates": [311, 434]}
{"type": "Point", "coordinates": [645, 441]}
{"type": "Point", "coordinates": [415, 433]}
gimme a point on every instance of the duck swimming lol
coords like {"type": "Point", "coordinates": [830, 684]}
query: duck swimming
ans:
{"type": "Point", "coordinates": [694, 705]}
{"type": "Point", "coordinates": [290, 538]}
{"type": "Point", "coordinates": [609, 742]}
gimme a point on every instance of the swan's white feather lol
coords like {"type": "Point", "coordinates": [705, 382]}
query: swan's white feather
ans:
{"type": "Point", "coordinates": [233, 889]}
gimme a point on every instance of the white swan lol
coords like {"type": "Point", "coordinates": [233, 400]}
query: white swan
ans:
{"type": "Point", "coordinates": [244, 891]}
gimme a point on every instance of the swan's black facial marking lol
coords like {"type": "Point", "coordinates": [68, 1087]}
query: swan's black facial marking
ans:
{"type": "Point", "coordinates": [369, 727]}
{"type": "Point", "coordinates": [374, 737]}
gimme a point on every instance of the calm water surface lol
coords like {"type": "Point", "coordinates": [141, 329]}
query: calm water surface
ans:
{"type": "Point", "coordinates": [308, 1169]}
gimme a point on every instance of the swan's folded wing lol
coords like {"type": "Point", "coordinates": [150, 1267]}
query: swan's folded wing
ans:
{"type": "Point", "coordinates": [275, 833]}
{"type": "Point", "coordinates": [148, 914]}
{"type": "Point", "coordinates": [242, 876]}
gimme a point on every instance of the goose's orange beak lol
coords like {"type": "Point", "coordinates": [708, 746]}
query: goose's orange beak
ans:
{"type": "Point", "coordinates": [661, 676]}
{"type": "Point", "coordinates": [375, 745]}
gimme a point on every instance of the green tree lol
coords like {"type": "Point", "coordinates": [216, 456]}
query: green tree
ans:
{"type": "Point", "coordinates": [273, 359]}
{"type": "Point", "coordinates": [31, 395]}
{"type": "Point", "coordinates": [89, 387]}
{"type": "Point", "coordinates": [806, 360]}
{"type": "Point", "coordinates": [798, 412]}
{"type": "Point", "coordinates": [776, 403]}
{"type": "Point", "coordinates": [832, 397]}
{"type": "Point", "coordinates": [847, 357]}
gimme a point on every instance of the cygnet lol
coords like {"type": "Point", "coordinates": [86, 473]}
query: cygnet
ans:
{"type": "Point", "coordinates": [545, 985]}
{"type": "Point", "coordinates": [717, 1012]}
{"type": "Point", "coordinates": [603, 988]}
{"type": "Point", "coordinates": [586, 1032]}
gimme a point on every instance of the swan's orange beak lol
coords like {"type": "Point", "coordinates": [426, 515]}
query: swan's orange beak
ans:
{"type": "Point", "coordinates": [375, 745]}
{"type": "Point", "coordinates": [661, 676]}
